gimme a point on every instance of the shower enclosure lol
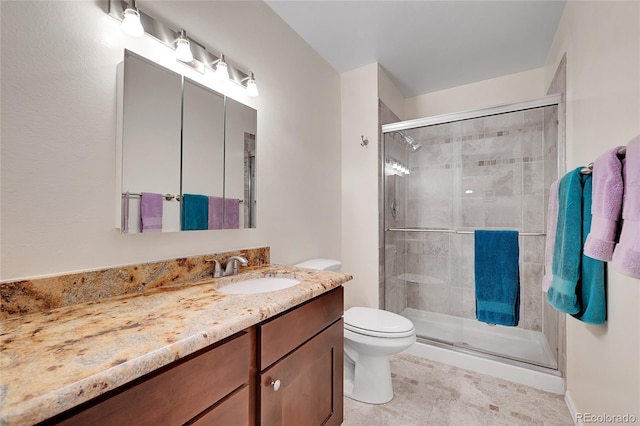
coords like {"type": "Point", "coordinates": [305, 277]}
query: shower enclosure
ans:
{"type": "Point", "coordinates": [446, 176]}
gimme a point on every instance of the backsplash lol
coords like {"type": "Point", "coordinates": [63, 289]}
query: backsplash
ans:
{"type": "Point", "coordinates": [42, 294]}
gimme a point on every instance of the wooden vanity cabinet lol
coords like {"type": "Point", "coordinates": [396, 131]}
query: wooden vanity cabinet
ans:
{"type": "Point", "coordinates": [233, 382]}
{"type": "Point", "coordinates": [301, 364]}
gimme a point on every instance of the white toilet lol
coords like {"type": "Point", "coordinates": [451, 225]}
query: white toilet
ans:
{"type": "Point", "coordinates": [370, 337]}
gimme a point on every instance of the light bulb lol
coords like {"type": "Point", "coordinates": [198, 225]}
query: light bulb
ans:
{"type": "Point", "coordinates": [183, 50]}
{"type": "Point", "coordinates": [131, 23]}
{"type": "Point", "coordinates": [252, 87]}
{"type": "Point", "coordinates": [222, 71]}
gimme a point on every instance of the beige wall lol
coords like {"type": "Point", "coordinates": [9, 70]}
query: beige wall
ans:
{"type": "Point", "coordinates": [389, 93]}
{"type": "Point", "coordinates": [59, 122]}
{"type": "Point", "coordinates": [496, 91]}
{"type": "Point", "coordinates": [601, 40]}
{"type": "Point", "coordinates": [360, 185]}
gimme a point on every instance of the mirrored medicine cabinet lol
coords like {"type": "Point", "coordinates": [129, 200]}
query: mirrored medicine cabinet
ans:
{"type": "Point", "coordinates": [187, 154]}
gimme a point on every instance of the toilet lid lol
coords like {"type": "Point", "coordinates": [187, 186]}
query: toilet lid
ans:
{"type": "Point", "coordinates": [376, 322]}
{"type": "Point", "coordinates": [321, 264]}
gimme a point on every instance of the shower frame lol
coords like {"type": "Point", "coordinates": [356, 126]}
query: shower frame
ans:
{"type": "Point", "coordinates": [549, 100]}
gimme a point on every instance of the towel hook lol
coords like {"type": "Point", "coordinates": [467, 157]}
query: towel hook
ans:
{"type": "Point", "coordinates": [364, 142]}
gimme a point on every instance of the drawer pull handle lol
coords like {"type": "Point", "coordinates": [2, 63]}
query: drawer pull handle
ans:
{"type": "Point", "coordinates": [276, 385]}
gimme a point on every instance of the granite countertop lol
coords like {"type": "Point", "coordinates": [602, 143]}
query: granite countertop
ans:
{"type": "Point", "coordinates": [55, 360]}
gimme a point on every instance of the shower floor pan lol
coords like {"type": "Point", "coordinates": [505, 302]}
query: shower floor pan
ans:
{"type": "Point", "coordinates": [509, 342]}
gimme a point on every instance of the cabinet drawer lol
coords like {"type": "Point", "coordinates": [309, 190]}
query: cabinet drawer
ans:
{"type": "Point", "coordinates": [233, 410]}
{"type": "Point", "coordinates": [175, 394]}
{"type": "Point", "coordinates": [281, 335]}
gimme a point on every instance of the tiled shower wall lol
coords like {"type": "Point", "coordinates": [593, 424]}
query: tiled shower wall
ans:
{"type": "Point", "coordinates": [487, 172]}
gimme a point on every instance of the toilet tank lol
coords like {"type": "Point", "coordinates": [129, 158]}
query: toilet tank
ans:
{"type": "Point", "coordinates": [321, 264]}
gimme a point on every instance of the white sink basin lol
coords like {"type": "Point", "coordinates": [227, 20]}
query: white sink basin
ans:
{"type": "Point", "coordinates": [259, 285]}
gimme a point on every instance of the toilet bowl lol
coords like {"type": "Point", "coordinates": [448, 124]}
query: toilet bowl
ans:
{"type": "Point", "coordinates": [370, 337]}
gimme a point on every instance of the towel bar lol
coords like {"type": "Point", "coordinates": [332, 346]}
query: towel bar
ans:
{"type": "Point", "coordinates": [167, 197]}
{"type": "Point", "coordinates": [456, 231]}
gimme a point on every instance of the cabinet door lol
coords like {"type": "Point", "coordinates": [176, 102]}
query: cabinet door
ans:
{"type": "Point", "coordinates": [310, 383]}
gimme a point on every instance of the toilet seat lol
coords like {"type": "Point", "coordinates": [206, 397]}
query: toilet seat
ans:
{"type": "Point", "coordinates": [377, 323]}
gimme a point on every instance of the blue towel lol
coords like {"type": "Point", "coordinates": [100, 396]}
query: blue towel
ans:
{"type": "Point", "coordinates": [591, 286]}
{"type": "Point", "coordinates": [568, 245]}
{"type": "Point", "coordinates": [497, 277]}
{"type": "Point", "coordinates": [578, 286]}
{"type": "Point", "coordinates": [195, 212]}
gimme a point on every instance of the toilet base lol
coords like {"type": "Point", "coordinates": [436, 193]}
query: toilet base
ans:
{"type": "Point", "coordinates": [368, 380]}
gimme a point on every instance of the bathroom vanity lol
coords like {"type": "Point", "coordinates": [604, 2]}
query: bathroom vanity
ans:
{"type": "Point", "coordinates": [195, 356]}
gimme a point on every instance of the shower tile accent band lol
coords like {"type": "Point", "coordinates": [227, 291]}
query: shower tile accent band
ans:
{"type": "Point", "coordinates": [456, 231]}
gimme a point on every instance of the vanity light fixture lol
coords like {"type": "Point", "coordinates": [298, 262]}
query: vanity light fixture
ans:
{"type": "Point", "coordinates": [252, 87]}
{"type": "Point", "coordinates": [131, 21]}
{"type": "Point", "coordinates": [222, 71]}
{"type": "Point", "coordinates": [189, 52]}
{"type": "Point", "coordinates": [183, 48]}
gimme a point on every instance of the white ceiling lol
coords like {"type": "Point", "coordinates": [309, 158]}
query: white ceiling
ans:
{"type": "Point", "coordinates": [427, 46]}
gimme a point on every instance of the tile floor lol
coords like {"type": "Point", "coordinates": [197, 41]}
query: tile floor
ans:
{"type": "Point", "coordinates": [431, 393]}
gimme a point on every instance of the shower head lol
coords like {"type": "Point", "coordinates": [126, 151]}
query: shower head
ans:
{"type": "Point", "coordinates": [408, 139]}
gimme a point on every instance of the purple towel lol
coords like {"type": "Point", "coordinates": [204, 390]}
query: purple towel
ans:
{"type": "Point", "coordinates": [231, 213]}
{"type": "Point", "coordinates": [151, 212]}
{"type": "Point", "coordinates": [606, 207]}
{"type": "Point", "coordinates": [552, 223]}
{"type": "Point", "coordinates": [216, 210]}
{"type": "Point", "coordinates": [626, 256]}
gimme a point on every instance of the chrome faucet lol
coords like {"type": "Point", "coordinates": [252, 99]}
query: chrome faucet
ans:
{"type": "Point", "coordinates": [232, 265]}
{"type": "Point", "coordinates": [217, 269]}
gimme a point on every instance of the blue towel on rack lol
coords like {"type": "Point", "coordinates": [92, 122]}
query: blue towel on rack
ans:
{"type": "Point", "coordinates": [567, 248]}
{"type": "Point", "coordinates": [497, 277]}
{"type": "Point", "coordinates": [195, 212]}
{"type": "Point", "coordinates": [578, 286]}
{"type": "Point", "coordinates": [590, 289]}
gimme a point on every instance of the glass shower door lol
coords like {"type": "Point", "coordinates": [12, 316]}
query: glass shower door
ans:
{"type": "Point", "coordinates": [442, 182]}
{"type": "Point", "coordinates": [418, 215]}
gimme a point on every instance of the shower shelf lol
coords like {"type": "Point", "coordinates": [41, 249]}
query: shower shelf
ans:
{"type": "Point", "coordinates": [456, 231]}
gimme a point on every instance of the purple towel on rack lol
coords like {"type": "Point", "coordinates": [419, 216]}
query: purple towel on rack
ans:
{"type": "Point", "coordinates": [216, 212]}
{"type": "Point", "coordinates": [552, 223]}
{"type": "Point", "coordinates": [606, 207]}
{"type": "Point", "coordinates": [151, 212]}
{"type": "Point", "coordinates": [231, 213]}
{"type": "Point", "coordinates": [626, 256]}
